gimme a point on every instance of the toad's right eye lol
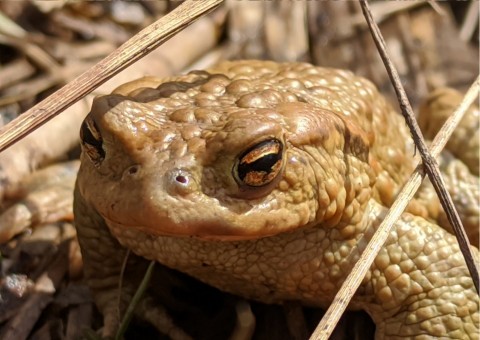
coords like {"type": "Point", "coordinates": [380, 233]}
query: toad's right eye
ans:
{"type": "Point", "coordinates": [260, 164]}
{"type": "Point", "coordinates": [92, 141]}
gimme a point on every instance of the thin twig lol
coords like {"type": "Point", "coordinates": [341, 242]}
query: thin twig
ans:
{"type": "Point", "coordinates": [436, 7]}
{"type": "Point", "coordinates": [30, 88]}
{"type": "Point", "coordinates": [384, 10]}
{"type": "Point", "coordinates": [352, 282]}
{"type": "Point", "coordinates": [429, 162]}
{"type": "Point", "coordinates": [134, 49]}
{"type": "Point", "coordinates": [37, 55]}
{"type": "Point", "coordinates": [14, 72]}
{"type": "Point", "coordinates": [449, 126]}
{"type": "Point", "coordinates": [470, 23]}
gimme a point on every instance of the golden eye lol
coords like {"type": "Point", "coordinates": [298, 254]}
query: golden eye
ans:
{"type": "Point", "coordinates": [92, 141]}
{"type": "Point", "coordinates": [260, 164]}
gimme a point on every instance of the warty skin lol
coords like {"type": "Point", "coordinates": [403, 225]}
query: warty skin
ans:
{"type": "Point", "coordinates": [159, 176]}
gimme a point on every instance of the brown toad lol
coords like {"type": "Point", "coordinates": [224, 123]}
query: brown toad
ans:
{"type": "Point", "coordinates": [265, 180]}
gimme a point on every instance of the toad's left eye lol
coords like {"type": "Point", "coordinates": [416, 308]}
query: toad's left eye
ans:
{"type": "Point", "coordinates": [260, 164]}
{"type": "Point", "coordinates": [92, 141]}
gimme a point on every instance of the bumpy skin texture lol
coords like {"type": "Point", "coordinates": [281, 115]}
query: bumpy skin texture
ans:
{"type": "Point", "coordinates": [159, 177]}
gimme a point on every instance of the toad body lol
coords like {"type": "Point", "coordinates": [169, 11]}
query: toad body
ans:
{"type": "Point", "coordinates": [267, 181]}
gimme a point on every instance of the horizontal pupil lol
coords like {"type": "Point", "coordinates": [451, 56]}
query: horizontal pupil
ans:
{"type": "Point", "coordinates": [262, 164]}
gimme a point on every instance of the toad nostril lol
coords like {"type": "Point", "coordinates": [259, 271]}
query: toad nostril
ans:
{"type": "Point", "coordinates": [133, 170]}
{"type": "Point", "coordinates": [180, 182]}
{"type": "Point", "coordinates": [181, 179]}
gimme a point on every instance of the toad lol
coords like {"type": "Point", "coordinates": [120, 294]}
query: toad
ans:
{"type": "Point", "coordinates": [266, 180]}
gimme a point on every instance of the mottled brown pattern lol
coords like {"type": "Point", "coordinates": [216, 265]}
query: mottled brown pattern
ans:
{"type": "Point", "coordinates": [166, 190]}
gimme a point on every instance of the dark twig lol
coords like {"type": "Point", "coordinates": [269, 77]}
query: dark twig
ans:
{"type": "Point", "coordinates": [134, 49]}
{"type": "Point", "coordinates": [429, 162]}
{"type": "Point", "coordinates": [352, 282]}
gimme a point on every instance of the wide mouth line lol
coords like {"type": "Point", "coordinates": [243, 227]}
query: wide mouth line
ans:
{"type": "Point", "coordinates": [161, 232]}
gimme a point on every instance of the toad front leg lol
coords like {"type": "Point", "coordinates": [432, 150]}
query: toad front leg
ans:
{"type": "Point", "coordinates": [421, 285]}
{"type": "Point", "coordinates": [103, 259]}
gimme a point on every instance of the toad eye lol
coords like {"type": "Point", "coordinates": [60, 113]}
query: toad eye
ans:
{"type": "Point", "coordinates": [92, 141]}
{"type": "Point", "coordinates": [260, 164]}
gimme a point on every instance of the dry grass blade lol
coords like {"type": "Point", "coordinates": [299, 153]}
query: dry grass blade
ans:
{"type": "Point", "coordinates": [9, 27]}
{"type": "Point", "coordinates": [134, 302]}
{"type": "Point", "coordinates": [134, 49]}
{"type": "Point", "coordinates": [442, 136]}
{"type": "Point", "coordinates": [429, 162]}
{"type": "Point", "coordinates": [349, 287]}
